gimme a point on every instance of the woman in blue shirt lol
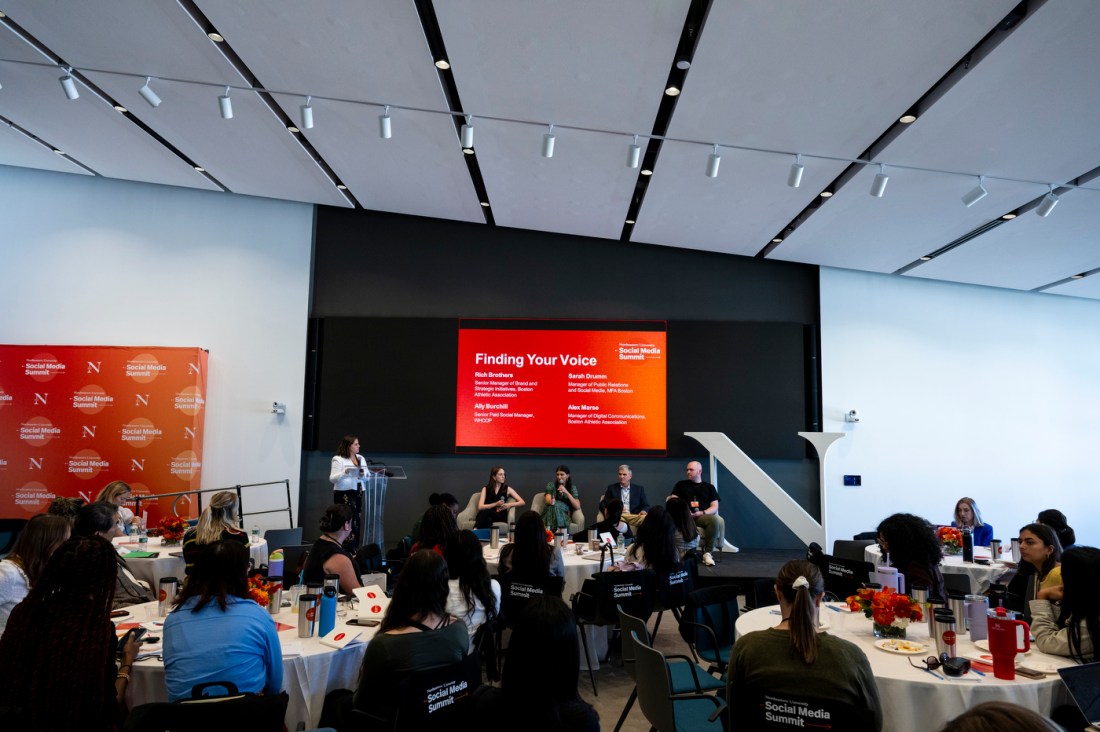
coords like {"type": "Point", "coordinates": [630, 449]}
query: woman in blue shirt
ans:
{"type": "Point", "coordinates": [967, 516]}
{"type": "Point", "coordinates": [215, 633]}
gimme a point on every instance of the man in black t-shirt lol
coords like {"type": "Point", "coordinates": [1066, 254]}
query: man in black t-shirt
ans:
{"type": "Point", "coordinates": [702, 498]}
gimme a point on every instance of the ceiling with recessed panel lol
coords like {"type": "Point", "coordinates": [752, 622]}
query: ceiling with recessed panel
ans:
{"type": "Point", "coordinates": [924, 102]}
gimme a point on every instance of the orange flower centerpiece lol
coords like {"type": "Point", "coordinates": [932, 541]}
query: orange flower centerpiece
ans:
{"type": "Point", "coordinates": [259, 590]}
{"type": "Point", "coordinates": [952, 539]}
{"type": "Point", "coordinates": [172, 529]}
{"type": "Point", "coordinates": [890, 611]}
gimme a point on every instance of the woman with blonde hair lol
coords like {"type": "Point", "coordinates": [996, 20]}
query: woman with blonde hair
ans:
{"type": "Point", "coordinates": [115, 493]}
{"type": "Point", "coordinates": [218, 522]}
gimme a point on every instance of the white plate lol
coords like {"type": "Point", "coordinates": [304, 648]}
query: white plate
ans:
{"type": "Point", "coordinates": [984, 645]}
{"type": "Point", "coordinates": [901, 646]}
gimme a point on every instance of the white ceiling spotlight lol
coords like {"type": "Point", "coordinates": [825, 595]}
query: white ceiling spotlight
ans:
{"type": "Point", "coordinates": [69, 84]}
{"type": "Point", "coordinates": [468, 133]}
{"type": "Point", "coordinates": [306, 113]}
{"type": "Point", "coordinates": [976, 194]}
{"type": "Point", "coordinates": [385, 129]}
{"type": "Point", "coordinates": [548, 142]}
{"type": "Point", "coordinates": [713, 161]}
{"type": "Point", "coordinates": [1048, 203]}
{"type": "Point", "coordinates": [878, 185]}
{"type": "Point", "coordinates": [148, 94]}
{"type": "Point", "coordinates": [794, 176]}
{"type": "Point", "coordinates": [633, 154]}
{"type": "Point", "coordinates": [225, 104]}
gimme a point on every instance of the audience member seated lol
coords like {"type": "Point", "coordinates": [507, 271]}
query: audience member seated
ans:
{"type": "Point", "coordinates": [328, 556]}
{"type": "Point", "coordinates": [116, 493]}
{"type": "Point", "coordinates": [473, 597]}
{"type": "Point", "coordinates": [1056, 520]}
{"type": "Point", "coordinates": [542, 655]}
{"type": "Point", "coordinates": [496, 499]}
{"type": "Point", "coordinates": [686, 533]}
{"type": "Point", "coordinates": [218, 522]}
{"type": "Point", "coordinates": [794, 658]}
{"type": "Point", "coordinates": [999, 716]}
{"type": "Point", "coordinates": [655, 546]}
{"type": "Point", "coordinates": [436, 528]}
{"type": "Point", "coordinates": [101, 519]}
{"type": "Point", "coordinates": [967, 516]}
{"type": "Point", "coordinates": [60, 646]}
{"type": "Point", "coordinates": [611, 522]}
{"type": "Point", "coordinates": [65, 507]}
{"type": "Point", "coordinates": [416, 634]}
{"type": "Point", "coordinates": [22, 567]}
{"type": "Point", "coordinates": [1068, 630]}
{"type": "Point", "coordinates": [912, 546]}
{"type": "Point", "coordinates": [1041, 560]}
{"type": "Point", "coordinates": [436, 499]}
{"type": "Point", "coordinates": [216, 633]}
{"type": "Point", "coordinates": [530, 556]}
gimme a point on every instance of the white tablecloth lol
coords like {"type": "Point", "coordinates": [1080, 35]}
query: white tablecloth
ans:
{"type": "Point", "coordinates": [307, 676]}
{"type": "Point", "coordinates": [981, 575]}
{"type": "Point", "coordinates": [578, 568]}
{"type": "Point", "coordinates": [165, 564]}
{"type": "Point", "coordinates": [915, 701]}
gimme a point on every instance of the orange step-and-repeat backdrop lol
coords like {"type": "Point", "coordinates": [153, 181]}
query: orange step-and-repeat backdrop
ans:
{"type": "Point", "coordinates": [75, 418]}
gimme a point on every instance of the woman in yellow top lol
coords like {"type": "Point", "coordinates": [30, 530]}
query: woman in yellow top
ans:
{"type": "Point", "coordinates": [1041, 555]}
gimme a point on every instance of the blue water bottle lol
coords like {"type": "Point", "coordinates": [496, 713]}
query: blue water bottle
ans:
{"type": "Point", "coordinates": [328, 610]}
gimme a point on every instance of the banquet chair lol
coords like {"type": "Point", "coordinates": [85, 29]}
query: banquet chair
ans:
{"type": "Point", "coordinates": [602, 596]}
{"type": "Point", "coordinates": [851, 548]}
{"type": "Point", "coordinates": [959, 583]}
{"type": "Point", "coordinates": [751, 709]}
{"type": "Point", "coordinates": [673, 589]}
{"type": "Point", "coordinates": [516, 592]}
{"type": "Point", "coordinates": [707, 624]}
{"type": "Point", "coordinates": [685, 675]}
{"type": "Point", "coordinates": [437, 698]}
{"type": "Point", "coordinates": [10, 529]}
{"type": "Point", "coordinates": [281, 538]}
{"type": "Point", "coordinates": [233, 710]}
{"type": "Point", "coordinates": [664, 709]}
{"type": "Point", "coordinates": [294, 559]}
{"type": "Point", "coordinates": [843, 577]}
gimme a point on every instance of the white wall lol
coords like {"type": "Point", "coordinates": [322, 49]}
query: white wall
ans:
{"type": "Point", "coordinates": [104, 262]}
{"type": "Point", "coordinates": [962, 391]}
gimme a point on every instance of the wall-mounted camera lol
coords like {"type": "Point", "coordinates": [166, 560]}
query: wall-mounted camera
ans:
{"type": "Point", "coordinates": [851, 416]}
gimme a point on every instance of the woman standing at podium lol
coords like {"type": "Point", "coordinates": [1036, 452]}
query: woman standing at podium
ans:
{"type": "Point", "coordinates": [348, 472]}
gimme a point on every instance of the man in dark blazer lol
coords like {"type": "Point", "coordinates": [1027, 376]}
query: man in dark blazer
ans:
{"type": "Point", "coordinates": [632, 495]}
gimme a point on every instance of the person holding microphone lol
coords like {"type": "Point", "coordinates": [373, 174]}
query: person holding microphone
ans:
{"type": "Point", "coordinates": [562, 499]}
{"type": "Point", "coordinates": [348, 472]}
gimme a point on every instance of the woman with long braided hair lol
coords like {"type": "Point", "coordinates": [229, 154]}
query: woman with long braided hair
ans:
{"type": "Point", "coordinates": [57, 656]}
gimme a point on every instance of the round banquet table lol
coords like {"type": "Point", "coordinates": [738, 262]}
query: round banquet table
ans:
{"type": "Point", "coordinates": [169, 560]}
{"type": "Point", "coordinates": [578, 568]}
{"type": "Point", "coordinates": [310, 669]}
{"type": "Point", "coordinates": [981, 575]}
{"type": "Point", "coordinates": [915, 701]}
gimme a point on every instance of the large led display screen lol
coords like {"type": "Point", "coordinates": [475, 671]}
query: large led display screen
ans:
{"type": "Point", "coordinates": [581, 387]}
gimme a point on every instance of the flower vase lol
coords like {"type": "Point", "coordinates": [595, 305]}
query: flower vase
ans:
{"type": "Point", "coordinates": [170, 542]}
{"type": "Point", "coordinates": [951, 551]}
{"type": "Point", "coordinates": [888, 631]}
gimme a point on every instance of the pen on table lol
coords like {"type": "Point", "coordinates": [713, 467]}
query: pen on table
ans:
{"type": "Point", "coordinates": [976, 671]}
{"type": "Point", "coordinates": [834, 609]}
{"type": "Point", "coordinates": [930, 671]}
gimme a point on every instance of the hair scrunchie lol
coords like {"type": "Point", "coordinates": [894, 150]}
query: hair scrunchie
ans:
{"type": "Point", "coordinates": [800, 581]}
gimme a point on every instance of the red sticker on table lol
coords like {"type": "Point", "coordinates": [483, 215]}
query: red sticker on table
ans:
{"type": "Point", "coordinates": [371, 595]}
{"type": "Point", "coordinates": [311, 614]}
{"type": "Point", "coordinates": [376, 608]}
{"type": "Point", "coordinates": [949, 637]}
{"type": "Point", "coordinates": [340, 636]}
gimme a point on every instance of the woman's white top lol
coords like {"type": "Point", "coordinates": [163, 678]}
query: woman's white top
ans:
{"type": "Point", "coordinates": [456, 605]}
{"type": "Point", "coordinates": [341, 479]}
{"type": "Point", "coordinates": [14, 586]}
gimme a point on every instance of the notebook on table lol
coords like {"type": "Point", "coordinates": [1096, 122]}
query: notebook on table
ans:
{"type": "Point", "coordinates": [1083, 683]}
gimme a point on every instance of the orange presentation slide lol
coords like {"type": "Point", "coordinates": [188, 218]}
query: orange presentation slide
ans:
{"type": "Point", "coordinates": [561, 386]}
{"type": "Point", "coordinates": [75, 418]}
